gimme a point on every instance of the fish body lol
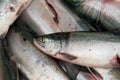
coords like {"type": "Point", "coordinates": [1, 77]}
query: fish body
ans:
{"type": "Point", "coordinates": [105, 12]}
{"type": "Point", "coordinates": [5, 72]}
{"type": "Point", "coordinates": [9, 11]}
{"type": "Point", "coordinates": [71, 70]}
{"type": "Point", "coordinates": [35, 65]}
{"type": "Point", "coordinates": [85, 76]}
{"type": "Point", "coordinates": [83, 48]}
{"type": "Point", "coordinates": [51, 16]}
{"type": "Point", "coordinates": [109, 74]}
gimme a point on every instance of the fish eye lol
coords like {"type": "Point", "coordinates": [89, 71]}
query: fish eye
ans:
{"type": "Point", "coordinates": [42, 40]}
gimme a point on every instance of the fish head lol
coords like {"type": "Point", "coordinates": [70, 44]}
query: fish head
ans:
{"type": "Point", "coordinates": [50, 44]}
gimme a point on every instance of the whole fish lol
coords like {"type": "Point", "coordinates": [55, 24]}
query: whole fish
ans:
{"type": "Point", "coordinates": [92, 49]}
{"type": "Point", "coordinates": [33, 63]}
{"type": "Point", "coordinates": [32, 16]}
{"type": "Point", "coordinates": [105, 12]}
{"type": "Point", "coordinates": [50, 16]}
{"type": "Point", "coordinates": [71, 70]}
{"type": "Point", "coordinates": [5, 72]}
{"type": "Point", "coordinates": [9, 11]}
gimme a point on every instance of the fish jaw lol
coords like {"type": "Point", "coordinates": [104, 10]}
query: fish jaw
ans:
{"type": "Point", "coordinates": [55, 54]}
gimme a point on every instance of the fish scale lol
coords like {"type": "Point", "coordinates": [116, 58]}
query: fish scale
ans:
{"type": "Point", "coordinates": [9, 11]}
{"type": "Point", "coordinates": [33, 63]}
{"type": "Point", "coordinates": [84, 50]}
{"type": "Point", "coordinates": [104, 12]}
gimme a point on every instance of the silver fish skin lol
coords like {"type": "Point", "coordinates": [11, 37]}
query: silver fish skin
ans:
{"type": "Point", "coordinates": [70, 69]}
{"type": "Point", "coordinates": [109, 74]}
{"type": "Point", "coordinates": [105, 12]}
{"type": "Point", "coordinates": [84, 76]}
{"type": "Point", "coordinates": [51, 16]}
{"type": "Point", "coordinates": [83, 48]}
{"type": "Point", "coordinates": [33, 63]}
{"type": "Point", "coordinates": [104, 74]}
{"type": "Point", "coordinates": [9, 11]}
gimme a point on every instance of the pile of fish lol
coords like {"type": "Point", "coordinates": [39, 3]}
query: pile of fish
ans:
{"type": "Point", "coordinates": [59, 40]}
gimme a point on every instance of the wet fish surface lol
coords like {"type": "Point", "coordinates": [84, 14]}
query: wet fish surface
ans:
{"type": "Point", "coordinates": [9, 11]}
{"type": "Point", "coordinates": [51, 16]}
{"type": "Point", "coordinates": [108, 74]}
{"type": "Point", "coordinates": [33, 63]}
{"type": "Point", "coordinates": [70, 69]}
{"type": "Point", "coordinates": [105, 12]}
{"type": "Point", "coordinates": [83, 48]}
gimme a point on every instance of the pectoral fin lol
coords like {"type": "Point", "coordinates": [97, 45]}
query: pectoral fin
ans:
{"type": "Point", "coordinates": [65, 56]}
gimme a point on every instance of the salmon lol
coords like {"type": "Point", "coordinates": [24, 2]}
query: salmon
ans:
{"type": "Point", "coordinates": [104, 12]}
{"type": "Point", "coordinates": [51, 16]}
{"type": "Point", "coordinates": [9, 11]}
{"type": "Point", "coordinates": [34, 64]}
{"type": "Point", "coordinates": [92, 49]}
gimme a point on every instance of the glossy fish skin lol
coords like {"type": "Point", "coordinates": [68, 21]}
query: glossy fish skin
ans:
{"type": "Point", "coordinates": [109, 74]}
{"type": "Point", "coordinates": [33, 63]}
{"type": "Point", "coordinates": [68, 67]}
{"type": "Point", "coordinates": [84, 76]}
{"type": "Point", "coordinates": [9, 11]}
{"type": "Point", "coordinates": [105, 12]}
{"type": "Point", "coordinates": [51, 16]}
{"type": "Point", "coordinates": [83, 48]}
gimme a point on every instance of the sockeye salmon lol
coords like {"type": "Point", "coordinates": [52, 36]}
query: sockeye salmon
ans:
{"type": "Point", "coordinates": [92, 49]}
{"type": "Point", "coordinates": [9, 11]}
{"type": "Point", "coordinates": [104, 12]}
{"type": "Point", "coordinates": [33, 63]}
